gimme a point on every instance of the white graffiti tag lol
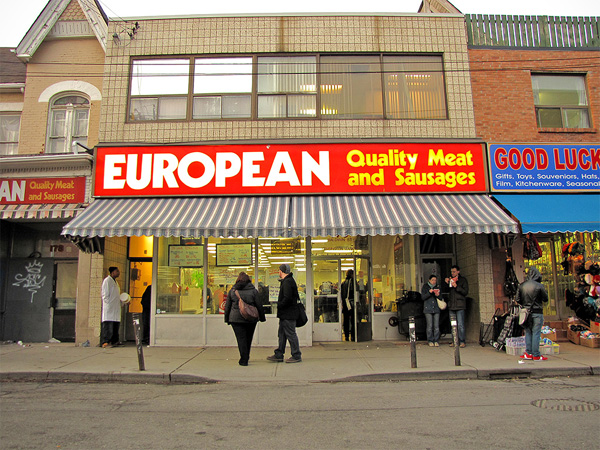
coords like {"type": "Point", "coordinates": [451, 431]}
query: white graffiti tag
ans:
{"type": "Point", "coordinates": [33, 281]}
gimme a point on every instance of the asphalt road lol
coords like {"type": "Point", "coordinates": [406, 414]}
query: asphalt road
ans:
{"type": "Point", "coordinates": [553, 413]}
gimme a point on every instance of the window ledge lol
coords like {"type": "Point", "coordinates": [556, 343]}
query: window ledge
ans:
{"type": "Point", "coordinates": [567, 130]}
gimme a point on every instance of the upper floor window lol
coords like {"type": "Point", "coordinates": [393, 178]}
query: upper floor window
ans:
{"type": "Point", "coordinates": [222, 88]}
{"type": "Point", "coordinates": [560, 101]}
{"type": "Point", "coordinates": [351, 87]}
{"type": "Point", "coordinates": [289, 86]}
{"type": "Point", "coordinates": [159, 89]}
{"type": "Point", "coordinates": [9, 133]}
{"type": "Point", "coordinates": [68, 122]}
{"type": "Point", "coordinates": [414, 87]}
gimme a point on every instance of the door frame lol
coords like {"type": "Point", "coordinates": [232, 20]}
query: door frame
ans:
{"type": "Point", "coordinates": [332, 331]}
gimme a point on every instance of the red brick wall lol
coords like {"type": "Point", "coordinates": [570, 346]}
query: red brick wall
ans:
{"type": "Point", "coordinates": [503, 95]}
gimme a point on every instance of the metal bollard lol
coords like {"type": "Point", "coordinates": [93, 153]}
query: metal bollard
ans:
{"type": "Point", "coordinates": [454, 325]}
{"type": "Point", "coordinates": [138, 340]}
{"type": "Point", "coordinates": [413, 342]}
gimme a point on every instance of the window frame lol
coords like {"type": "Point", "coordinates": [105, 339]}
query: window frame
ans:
{"type": "Point", "coordinates": [255, 94]}
{"type": "Point", "coordinates": [70, 122]}
{"type": "Point", "coordinates": [562, 108]}
{"type": "Point", "coordinates": [7, 143]}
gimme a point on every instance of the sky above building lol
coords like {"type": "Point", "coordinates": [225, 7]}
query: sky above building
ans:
{"type": "Point", "coordinates": [17, 16]}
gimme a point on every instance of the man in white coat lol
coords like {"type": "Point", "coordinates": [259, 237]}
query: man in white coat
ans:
{"type": "Point", "coordinates": [111, 309]}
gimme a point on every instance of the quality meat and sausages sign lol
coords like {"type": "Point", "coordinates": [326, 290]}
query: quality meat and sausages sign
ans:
{"type": "Point", "coordinates": [289, 169]}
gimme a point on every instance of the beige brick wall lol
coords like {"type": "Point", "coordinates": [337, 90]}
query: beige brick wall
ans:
{"type": "Point", "coordinates": [50, 65]}
{"type": "Point", "coordinates": [92, 271]}
{"type": "Point", "coordinates": [251, 35]}
{"type": "Point", "coordinates": [475, 260]}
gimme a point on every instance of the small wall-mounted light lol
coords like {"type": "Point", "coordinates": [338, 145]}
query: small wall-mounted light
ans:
{"type": "Point", "coordinates": [116, 39]}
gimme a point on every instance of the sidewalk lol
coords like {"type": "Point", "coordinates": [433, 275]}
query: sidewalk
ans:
{"type": "Point", "coordinates": [324, 362]}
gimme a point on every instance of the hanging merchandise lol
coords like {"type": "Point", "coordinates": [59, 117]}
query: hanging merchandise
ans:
{"type": "Point", "coordinates": [531, 248]}
{"type": "Point", "coordinates": [511, 283]}
{"type": "Point", "coordinates": [584, 300]}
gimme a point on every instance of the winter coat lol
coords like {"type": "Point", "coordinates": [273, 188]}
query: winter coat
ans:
{"type": "Point", "coordinates": [430, 305]}
{"type": "Point", "coordinates": [457, 297]}
{"type": "Point", "coordinates": [531, 293]}
{"type": "Point", "coordinates": [348, 284]}
{"type": "Point", "coordinates": [249, 294]}
{"type": "Point", "coordinates": [287, 301]}
{"type": "Point", "coordinates": [111, 301]}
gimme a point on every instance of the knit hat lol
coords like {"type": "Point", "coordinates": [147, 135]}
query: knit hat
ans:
{"type": "Point", "coordinates": [285, 268]}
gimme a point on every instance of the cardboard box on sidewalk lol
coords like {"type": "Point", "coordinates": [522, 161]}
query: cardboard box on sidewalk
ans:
{"type": "Point", "coordinates": [595, 327]}
{"type": "Point", "coordinates": [593, 343]}
{"type": "Point", "coordinates": [551, 336]}
{"type": "Point", "coordinates": [573, 336]}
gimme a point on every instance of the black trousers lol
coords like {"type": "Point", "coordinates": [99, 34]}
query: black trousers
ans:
{"type": "Point", "coordinates": [348, 323]}
{"type": "Point", "coordinates": [146, 326]}
{"type": "Point", "coordinates": [244, 332]}
{"type": "Point", "coordinates": [110, 332]}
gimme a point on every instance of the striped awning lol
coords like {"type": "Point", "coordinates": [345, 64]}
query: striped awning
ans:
{"type": "Point", "coordinates": [187, 217]}
{"type": "Point", "coordinates": [292, 216]}
{"type": "Point", "coordinates": [397, 214]}
{"type": "Point", "coordinates": [40, 211]}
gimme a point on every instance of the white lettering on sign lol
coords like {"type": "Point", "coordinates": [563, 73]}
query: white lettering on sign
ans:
{"type": "Point", "coordinates": [158, 170]}
{"type": "Point", "coordinates": [16, 193]}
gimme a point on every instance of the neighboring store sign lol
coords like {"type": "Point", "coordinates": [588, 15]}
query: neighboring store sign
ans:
{"type": "Point", "coordinates": [289, 169]}
{"type": "Point", "coordinates": [42, 190]}
{"type": "Point", "coordinates": [545, 167]}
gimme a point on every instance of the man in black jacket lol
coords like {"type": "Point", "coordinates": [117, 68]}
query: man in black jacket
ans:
{"type": "Point", "coordinates": [287, 312]}
{"type": "Point", "coordinates": [532, 295]}
{"type": "Point", "coordinates": [457, 301]}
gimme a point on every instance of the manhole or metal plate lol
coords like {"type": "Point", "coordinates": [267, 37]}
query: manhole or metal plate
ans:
{"type": "Point", "coordinates": [566, 404]}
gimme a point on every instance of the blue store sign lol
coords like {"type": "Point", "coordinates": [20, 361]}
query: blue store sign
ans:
{"type": "Point", "coordinates": [545, 167]}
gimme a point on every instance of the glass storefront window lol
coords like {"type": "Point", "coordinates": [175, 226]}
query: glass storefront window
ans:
{"type": "Point", "coordinates": [180, 276]}
{"type": "Point", "coordinates": [271, 254]}
{"type": "Point", "coordinates": [226, 259]}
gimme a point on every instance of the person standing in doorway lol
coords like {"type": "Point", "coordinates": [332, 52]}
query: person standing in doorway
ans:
{"type": "Point", "coordinates": [457, 301]}
{"type": "Point", "coordinates": [532, 295]}
{"type": "Point", "coordinates": [111, 309]}
{"type": "Point", "coordinates": [146, 301]}
{"type": "Point", "coordinates": [347, 292]}
{"type": "Point", "coordinates": [287, 312]}
{"type": "Point", "coordinates": [429, 294]}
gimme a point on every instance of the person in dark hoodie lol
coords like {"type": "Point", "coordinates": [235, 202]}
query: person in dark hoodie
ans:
{"type": "Point", "coordinates": [287, 312]}
{"type": "Point", "coordinates": [243, 328]}
{"type": "Point", "coordinates": [532, 294]}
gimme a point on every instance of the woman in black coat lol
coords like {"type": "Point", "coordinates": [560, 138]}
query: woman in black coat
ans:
{"type": "Point", "coordinates": [243, 328]}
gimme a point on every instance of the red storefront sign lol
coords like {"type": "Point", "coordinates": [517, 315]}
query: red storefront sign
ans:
{"type": "Point", "coordinates": [42, 190]}
{"type": "Point", "coordinates": [289, 169]}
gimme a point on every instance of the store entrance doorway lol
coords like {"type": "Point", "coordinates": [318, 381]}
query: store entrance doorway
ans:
{"type": "Point", "coordinates": [328, 275]}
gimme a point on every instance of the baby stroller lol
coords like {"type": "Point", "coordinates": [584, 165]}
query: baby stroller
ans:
{"type": "Point", "coordinates": [509, 328]}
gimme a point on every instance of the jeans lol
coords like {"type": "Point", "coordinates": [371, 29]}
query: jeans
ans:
{"type": "Point", "coordinates": [460, 323]}
{"type": "Point", "coordinates": [287, 332]}
{"type": "Point", "coordinates": [533, 333]}
{"type": "Point", "coordinates": [433, 327]}
{"type": "Point", "coordinates": [244, 332]}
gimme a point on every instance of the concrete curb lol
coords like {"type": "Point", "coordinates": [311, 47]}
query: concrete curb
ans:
{"type": "Point", "coordinates": [163, 378]}
{"type": "Point", "coordinates": [464, 374]}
